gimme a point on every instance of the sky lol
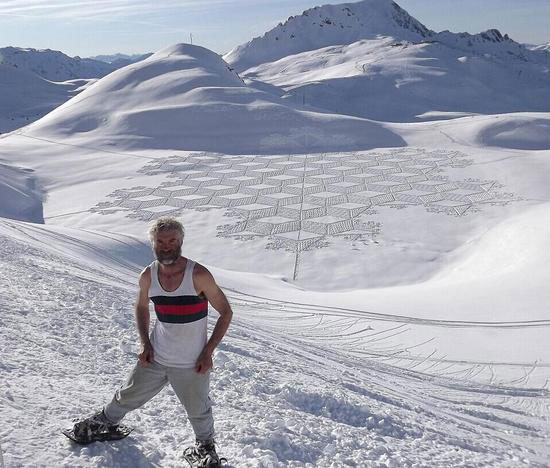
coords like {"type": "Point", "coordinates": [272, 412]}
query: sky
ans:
{"type": "Point", "coordinates": [92, 27]}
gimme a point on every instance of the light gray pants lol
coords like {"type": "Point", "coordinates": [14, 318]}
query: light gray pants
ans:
{"type": "Point", "coordinates": [145, 382]}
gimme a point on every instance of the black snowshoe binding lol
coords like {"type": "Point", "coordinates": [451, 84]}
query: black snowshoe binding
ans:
{"type": "Point", "coordinates": [203, 455]}
{"type": "Point", "coordinates": [96, 428]}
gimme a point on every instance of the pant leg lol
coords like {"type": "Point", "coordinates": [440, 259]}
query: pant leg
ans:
{"type": "Point", "coordinates": [143, 383]}
{"type": "Point", "coordinates": [192, 390]}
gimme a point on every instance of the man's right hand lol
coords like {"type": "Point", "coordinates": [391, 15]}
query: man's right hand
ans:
{"type": "Point", "coordinates": [146, 356]}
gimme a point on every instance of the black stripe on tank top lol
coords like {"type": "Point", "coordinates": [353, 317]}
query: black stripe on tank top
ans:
{"type": "Point", "coordinates": [180, 309]}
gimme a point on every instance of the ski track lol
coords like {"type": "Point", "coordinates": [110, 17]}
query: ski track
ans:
{"type": "Point", "coordinates": [290, 387]}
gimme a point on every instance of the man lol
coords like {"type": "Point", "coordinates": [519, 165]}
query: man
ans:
{"type": "Point", "coordinates": [177, 350]}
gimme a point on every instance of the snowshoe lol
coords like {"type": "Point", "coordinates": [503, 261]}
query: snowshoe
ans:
{"type": "Point", "coordinates": [96, 428]}
{"type": "Point", "coordinates": [203, 455]}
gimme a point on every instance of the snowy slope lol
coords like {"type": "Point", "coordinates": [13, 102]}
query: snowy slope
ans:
{"type": "Point", "coordinates": [366, 60]}
{"type": "Point", "coordinates": [185, 97]}
{"type": "Point", "coordinates": [53, 65]}
{"type": "Point", "coordinates": [26, 97]}
{"type": "Point", "coordinates": [400, 81]}
{"type": "Point", "coordinates": [286, 391]}
{"type": "Point", "coordinates": [20, 193]}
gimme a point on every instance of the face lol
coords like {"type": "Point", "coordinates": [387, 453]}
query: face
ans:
{"type": "Point", "coordinates": [167, 246]}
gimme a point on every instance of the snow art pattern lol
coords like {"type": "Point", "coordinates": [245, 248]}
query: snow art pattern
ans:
{"type": "Point", "coordinates": [298, 202]}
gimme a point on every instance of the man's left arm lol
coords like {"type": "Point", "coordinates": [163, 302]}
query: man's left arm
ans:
{"type": "Point", "coordinates": [205, 283]}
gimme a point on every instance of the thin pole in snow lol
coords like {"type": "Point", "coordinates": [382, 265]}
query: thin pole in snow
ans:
{"type": "Point", "coordinates": [191, 37]}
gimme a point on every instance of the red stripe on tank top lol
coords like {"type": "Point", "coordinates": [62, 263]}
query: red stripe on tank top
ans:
{"type": "Point", "coordinates": [180, 309]}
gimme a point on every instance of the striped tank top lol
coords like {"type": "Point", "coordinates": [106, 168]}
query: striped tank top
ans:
{"type": "Point", "coordinates": [179, 334]}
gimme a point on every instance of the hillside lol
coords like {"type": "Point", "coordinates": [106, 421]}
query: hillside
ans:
{"type": "Point", "coordinates": [185, 97]}
{"type": "Point", "coordinates": [26, 97]}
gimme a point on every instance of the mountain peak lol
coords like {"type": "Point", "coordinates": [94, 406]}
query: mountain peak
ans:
{"type": "Point", "coordinates": [329, 25]}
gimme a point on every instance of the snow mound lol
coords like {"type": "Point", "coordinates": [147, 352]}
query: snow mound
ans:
{"type": "Point", "coordinates": [20, 194]}
{"type": "Point", "coordinates": [186, 97]}
{"type": "Point", "coordinates": [523, 133]}
{"type": "Point", "coordinates": [119, 254]}
{"type": "Point", "coordinates": [516, 245]}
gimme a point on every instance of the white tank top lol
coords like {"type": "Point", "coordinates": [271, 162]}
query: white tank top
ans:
{"type": "Point", "coordinates": [179, 334]}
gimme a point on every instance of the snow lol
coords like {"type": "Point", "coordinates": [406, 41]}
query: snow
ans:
{"type": "Point", "coordinates": [371, 59]}
{"type": "Point", "coordinates": [53, 65]}
{"type": "Point", "coordinates": [156, 97]}
{"type": "Point", "coordinates": [389, 79]}
{"type": "Point", "coordinates": [284, 393]}
{"type": "Point", "coordinates": [388, 278]}
{"type": "Point", "coordinates": [120, 60]}
{"type": "Point", "coordinates": [21, 194]}
{"type": "Point", "coordinates": [26, 97]}
{"type": "Point", "coordinates": [328, 25]}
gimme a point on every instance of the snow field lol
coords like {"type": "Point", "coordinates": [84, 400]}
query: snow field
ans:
{"type": "Point", "coordinates": [414, 337]}
{"type": "Point", "coordinates": [68, 340]}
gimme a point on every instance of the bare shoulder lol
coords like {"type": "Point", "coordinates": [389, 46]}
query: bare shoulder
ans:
{"type": "Point", "coordinates": [145, 278]}
{"type": "Point", "coordinates": [202, 279]}
{"type": "Point", "coordinates": [201, 273]}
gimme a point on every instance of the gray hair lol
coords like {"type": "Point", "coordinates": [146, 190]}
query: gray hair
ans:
{"type": "Point", "coordinates": [165, 224]}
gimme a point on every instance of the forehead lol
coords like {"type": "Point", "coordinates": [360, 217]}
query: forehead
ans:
{"type": "Point", "coordinates": [168, 234]}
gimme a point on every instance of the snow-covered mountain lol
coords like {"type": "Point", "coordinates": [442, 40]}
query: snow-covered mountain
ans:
{"type": "Point", "coordinates": [34, 82]}
{"type": "Point", "coordinates": [371, 59]}
{"type": "Point", "coordinates": [329, 25]}
{"type": "Point", "coordinates": [344, 24]}
{"type": "Point", "coordinates": [53, 65]}
{"type": "Point", "coordinates": [26, 97]}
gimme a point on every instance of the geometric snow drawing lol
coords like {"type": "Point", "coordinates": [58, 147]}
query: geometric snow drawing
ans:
{"type": "Point", "coordinates": [299, 202]}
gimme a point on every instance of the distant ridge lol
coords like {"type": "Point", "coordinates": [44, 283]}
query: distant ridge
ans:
{"type": "Point", "coordinates": [121, 60]}
{"type": "Point", "coordinates": [115, 57]}
{"type": "Point", "coordinates": [54, 65]}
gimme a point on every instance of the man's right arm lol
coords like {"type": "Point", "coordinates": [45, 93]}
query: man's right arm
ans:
{"type": "Point", "coordinates": [143, 318]}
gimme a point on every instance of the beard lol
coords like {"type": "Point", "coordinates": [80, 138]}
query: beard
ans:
{"type": "Point", "coordinates": [168, 257]}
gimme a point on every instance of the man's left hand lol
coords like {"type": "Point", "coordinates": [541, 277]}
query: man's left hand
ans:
{"type": "Point", "coordinates": [204, 363]}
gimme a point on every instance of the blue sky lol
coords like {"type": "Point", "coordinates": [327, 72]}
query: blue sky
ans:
{"type": "Point", "coordinates": [91, 27]}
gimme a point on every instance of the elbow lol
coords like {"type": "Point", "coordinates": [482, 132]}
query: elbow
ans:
{"type": "Point", "coordinates": [228, 315]}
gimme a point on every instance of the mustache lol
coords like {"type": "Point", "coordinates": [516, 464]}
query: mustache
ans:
{"type": "Point", "coordinates": [169, 256]}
